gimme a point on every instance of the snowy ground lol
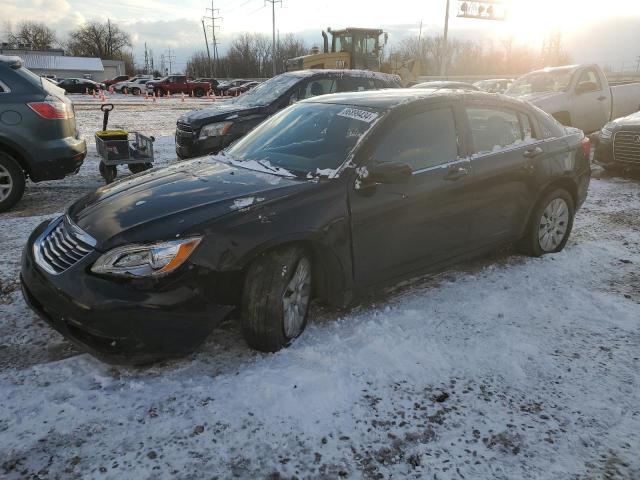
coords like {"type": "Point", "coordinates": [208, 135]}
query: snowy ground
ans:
{"type": "Point", "coordinates": [503, 368]}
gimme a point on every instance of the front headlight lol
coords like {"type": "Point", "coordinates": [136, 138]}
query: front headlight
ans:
{"type": "Point", "coordinates": [606, 132]}
{"type": "Point", "coordinates": [145, 260]}
{"type": "Point", "coordinates": [215, 130]}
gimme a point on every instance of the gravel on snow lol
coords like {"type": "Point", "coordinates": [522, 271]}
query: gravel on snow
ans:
{"type": "Point", "coordinates": [502, 368]}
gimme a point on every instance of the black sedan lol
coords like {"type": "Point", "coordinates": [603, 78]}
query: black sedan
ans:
{"type": "Point", "coordinates": [242, 88]}
{"type": "Point", "coordinates": [224, 87]}
{"type": "Point", "coordinates": [326, 199]}
{"type": "Point", "coordinates": [80, 85]}
{"type": "Point", "coordinates": [619, 144]}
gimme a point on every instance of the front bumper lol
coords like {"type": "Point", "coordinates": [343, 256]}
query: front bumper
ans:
{"type": "Point", "coordinates": [121, 321]}
{"type": "Point", "coordinates": [605, 155]}
{"type": "Point", "coordinates": [188, 144]}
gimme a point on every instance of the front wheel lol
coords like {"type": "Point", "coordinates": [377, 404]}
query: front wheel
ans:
{"type": "Point", "coordinates": [276, 297]}
{"type": "Point", "coordinates": [550, 224]}
{"type": "Point", "coordinates": [135, 91]}
{"type": "Point", "coordinates": [12, 182]}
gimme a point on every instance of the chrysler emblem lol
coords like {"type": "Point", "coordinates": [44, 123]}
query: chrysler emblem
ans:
{"type": "Point", "coordinates": [636, 139]}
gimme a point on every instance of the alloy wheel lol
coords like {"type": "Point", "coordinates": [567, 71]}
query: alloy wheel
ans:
{"type": "Point", "coordinates": [296, 299]}
{"type": "Point", "coordinates": [6, 183]}
{"type": "Point", "coordinates": [553, 225]}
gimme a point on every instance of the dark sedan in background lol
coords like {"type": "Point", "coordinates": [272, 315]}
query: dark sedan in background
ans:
{"type": "Point", "coordinates": [328, 198]}
{"type": "Point", "coordinates": [225, 86]}
{"type": "Point", "coordinates": [80, 85]}
{"type": "Point", "coordinates": [242, 88]}
{"type": "Point", "coordinates": [619, 144]}
{"type": "Point", "coordinates": [210, 130]}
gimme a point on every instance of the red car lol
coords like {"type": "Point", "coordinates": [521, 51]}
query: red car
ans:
{"type": "Point", "coordinates": [178, 84]}
{"type": "Point", "coordinates": [113, 81]}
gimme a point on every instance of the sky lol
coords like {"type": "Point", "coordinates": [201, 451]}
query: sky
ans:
{"type": "Point", "coordinates": [607, 32]}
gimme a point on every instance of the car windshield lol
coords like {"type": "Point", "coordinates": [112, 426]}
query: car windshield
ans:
{"type": "Point", "coordinates": [269, 91]}
{"type": "Point", "coordinates": [305, 139]}
{"type": "Point", "coordinates": [552, 81]}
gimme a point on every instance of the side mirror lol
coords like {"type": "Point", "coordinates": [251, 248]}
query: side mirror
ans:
{"type": "Point", "coordinates": [389, 173]}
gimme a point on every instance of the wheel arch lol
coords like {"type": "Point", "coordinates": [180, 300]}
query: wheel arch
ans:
{"type": "Point", "coordinates": [329, 272]}
{"type": "Point", "coordinates": [565, 183]}
{"type": "Point", "coordinates": [17, 153]}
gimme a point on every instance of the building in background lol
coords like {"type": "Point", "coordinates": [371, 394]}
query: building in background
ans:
{"type": "Point", "coordinates": [54, 63]}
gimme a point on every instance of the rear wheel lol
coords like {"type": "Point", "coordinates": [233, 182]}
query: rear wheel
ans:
{"type": "Point", "coordinates": [550, 224]}
{"type": "Point", "coordinates": [12, 182]}
{"type": "Point", "coordinates": [276, 297]}
{"type": "Point", "coordinates": [199, 92]}
{"type": "Point", "coordinates": [139, 167]}
{"type": "Point", "coordinates": [108, 172]}
{"type": "Point", "coordinates": [135, 91]}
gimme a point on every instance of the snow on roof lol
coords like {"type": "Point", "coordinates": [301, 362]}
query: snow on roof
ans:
{"type": "Point", "coordinates": [58, 62]}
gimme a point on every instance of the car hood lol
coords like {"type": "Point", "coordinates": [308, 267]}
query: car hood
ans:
{"type": "Point", "coordinates": [165, 203]}
{"type": "Point", "coordinates": [632, 120]}
{"type": "Point", "coordinates": [538, 97]}
{"type": "Point", "coordinates": [218, 113]}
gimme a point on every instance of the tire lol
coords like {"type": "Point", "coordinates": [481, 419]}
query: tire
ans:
{"type": "Point", "coordinates": [109, 173]}
{"type": "Point", "coordinates": [12, 181]}
{"type": "Point", "coordinates": [135, 91]}
{"type": "Point", "coordinates": [554, 213]}
{"type": "Point", "coordinates": [274, 280]}
{"type": "Point", "coordinates": [199, 92]}
{"type": "Point", "coordinates": [139, 167]}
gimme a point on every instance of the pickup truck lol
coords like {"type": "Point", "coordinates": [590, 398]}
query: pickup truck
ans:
{"type": "Point", "coordinates": [577, 95]}
{"type": "Point", "coordinates": [178, 84]}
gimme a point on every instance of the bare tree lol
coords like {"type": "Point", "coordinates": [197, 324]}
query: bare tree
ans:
{"type": "Point", "coordinates": [95, 39]}
{"type": "Point", "coordinates": [34, 35]}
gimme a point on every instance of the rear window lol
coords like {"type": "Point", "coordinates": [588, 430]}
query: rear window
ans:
{"type": "Point", "coordinates": [30, 77]}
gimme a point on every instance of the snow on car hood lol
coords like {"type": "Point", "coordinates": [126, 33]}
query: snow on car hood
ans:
{"type": "Point", "coordinates": [169, 200]}
{"type": "Point", "coordinates": [218, 113]}
{"type": "Point", "coordinates": [538, 98]}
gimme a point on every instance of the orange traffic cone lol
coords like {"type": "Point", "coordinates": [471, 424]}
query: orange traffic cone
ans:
{"type": "Point", "coordinates": [182, 99]}
{"type": "Point", "coordinates": [93, 93]}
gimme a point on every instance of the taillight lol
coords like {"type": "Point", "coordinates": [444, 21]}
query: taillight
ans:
{"type": "Point", "coordinates": [52, 109]}
{"type": "Point", "coordinates": [586, 147]}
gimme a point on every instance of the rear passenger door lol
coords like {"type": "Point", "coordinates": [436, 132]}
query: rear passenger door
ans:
{"type": "Point", "coordinates": [504, 159]}
{"type": "Point", "coordinates": [401, 228]}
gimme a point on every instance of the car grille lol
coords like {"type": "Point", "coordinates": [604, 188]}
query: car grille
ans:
{"type": "Point", "coordinates": [61, 246]}
{"type": "Point", "coordinates": [184, 134]}
{"type": "Point", "coordinates": [626, 147]}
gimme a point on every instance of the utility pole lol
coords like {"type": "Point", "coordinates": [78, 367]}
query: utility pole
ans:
{"type": "Point", "coordinates": [170, 59]}
{"type": "Point", "coordinates": [206, 42]}
{"type": "Point", "coordinates": [214, 41]}
{"type": "Point", "coordinates": [146, 59]}
{"type": "Point", "coordinates": [443, 60]}
{"type": "Point", "coordinates": [273, 24]}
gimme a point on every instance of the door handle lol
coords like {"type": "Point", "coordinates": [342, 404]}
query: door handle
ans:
{"type": "Point", "coordinates": [533, 152]}
{"type": "Point", "coordinates": [456, 173]}
{"type": "Point", "coordinates": [601, 98]}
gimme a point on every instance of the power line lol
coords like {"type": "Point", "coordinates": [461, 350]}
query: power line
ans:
{"type": "Point", "coordinates": [214, 42]}
{"type": "Point", "coordinates": [273, 22]}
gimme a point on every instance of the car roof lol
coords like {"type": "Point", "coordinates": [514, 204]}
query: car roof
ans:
{"type": "Point", "coordinates": [342, 72]}
{"type": "Point", "coordinates": [397, 97]}
{"type": "Point", "coordinates": [445, 84]}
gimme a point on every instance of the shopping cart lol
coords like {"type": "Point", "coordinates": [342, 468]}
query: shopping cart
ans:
{"type": "Point", "coordinates": [121, 147]}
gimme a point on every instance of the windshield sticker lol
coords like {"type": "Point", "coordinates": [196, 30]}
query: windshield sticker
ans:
{"type": "Point", "coordinates": [357, 114]}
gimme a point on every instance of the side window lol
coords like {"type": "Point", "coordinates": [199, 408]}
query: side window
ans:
{"type": "Point", "coordinates": [319, 86]}
{"type": "Point", "coordinates": [356, 84]}
{"type": "Point", "coordinates": [493, 128]}
{"type": "Point", "coordinates": [424, 140]}
{"type": "Point", "coordinates": [589, 81]}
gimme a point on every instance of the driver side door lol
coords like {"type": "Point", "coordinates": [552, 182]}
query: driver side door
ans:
{"type": "Point", "coordinates": [400, 228]}
{"type": "Point", "coordinates": [591, 102]}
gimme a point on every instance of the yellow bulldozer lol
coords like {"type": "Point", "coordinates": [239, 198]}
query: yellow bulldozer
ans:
{"type": "Point", "coordinates": [355, 48]}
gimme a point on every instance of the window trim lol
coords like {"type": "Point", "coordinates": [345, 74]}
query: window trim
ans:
{"type": "Point", "coordinates": [5, 88]}
{"type": "Point", "coordinates": [595, 73]}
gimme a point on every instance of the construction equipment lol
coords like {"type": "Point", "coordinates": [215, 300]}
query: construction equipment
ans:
{"type": "Point", "coordinates": [354, 48]}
